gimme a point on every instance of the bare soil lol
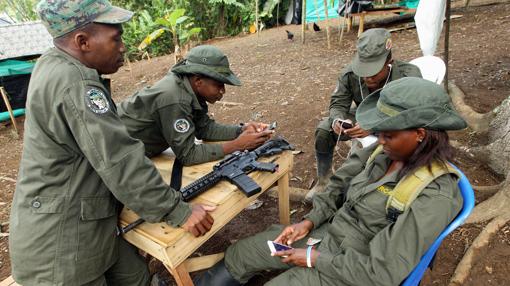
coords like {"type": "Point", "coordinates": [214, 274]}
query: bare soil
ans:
{"type": "Point", "coordinates": [291, 83]}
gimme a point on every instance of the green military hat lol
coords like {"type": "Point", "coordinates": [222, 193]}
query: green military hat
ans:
{"type": "Point", "coordinates": [63, 16]}
{"type": "Point", "coordinates": [208, 61]}
{"type": "Point", "coordinates": [406, 103]}
{"type": "Point", "coordinates": [373, 48]}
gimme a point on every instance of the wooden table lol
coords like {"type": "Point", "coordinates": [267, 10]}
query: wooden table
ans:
{"type": "Point", "coordinates": [363, 14]}
{"type": "Point", "coordinates": [173, 246]}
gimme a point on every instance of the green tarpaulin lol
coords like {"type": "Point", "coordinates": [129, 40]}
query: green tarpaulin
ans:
{"type": "Point", "coordinates": [14, 67]}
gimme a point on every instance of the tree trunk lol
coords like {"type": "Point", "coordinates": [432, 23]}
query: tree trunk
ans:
{"type": "Point", "coordinates": [497, 155]}
{"type": "Point", "coordinates": [499, 136]}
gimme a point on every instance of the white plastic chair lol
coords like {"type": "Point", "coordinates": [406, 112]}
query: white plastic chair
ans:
{"type": "Point", "coordinates": [432, 68]}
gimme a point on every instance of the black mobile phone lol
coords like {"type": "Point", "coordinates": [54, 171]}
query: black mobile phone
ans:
{"type": "Point", "coordinates": [346, 125]}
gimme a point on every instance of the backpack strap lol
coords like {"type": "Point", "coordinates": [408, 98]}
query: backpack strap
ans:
{"type": "Point", "coordinates": [378, 150]}
{"type": "Point", "coordinates": [409, 187]}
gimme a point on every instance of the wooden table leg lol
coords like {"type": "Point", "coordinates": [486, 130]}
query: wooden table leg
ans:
{"type": "Point", "coordinates": [349, 24]}
{"type": "Point", "coordinates": [361, 24]}
{"type": "Point", "coordinates": [283, 199]}
{"type": "Point", "coordinates": [181, 275]}
{"type": "Point", "coordinates": [8, 105]}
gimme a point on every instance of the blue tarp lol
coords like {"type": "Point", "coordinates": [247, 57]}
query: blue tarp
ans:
{"type": "Point", "coordinates": [312, 10]}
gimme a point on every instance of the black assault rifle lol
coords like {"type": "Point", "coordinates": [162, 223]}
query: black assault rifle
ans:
{"type": "Point", "coordinates": [234, 168]}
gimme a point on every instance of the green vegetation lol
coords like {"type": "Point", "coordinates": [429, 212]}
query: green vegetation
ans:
{"type": "Point", "coordinates": [19, 10]}
{"type": "Point", "coordinates": [201, 20]}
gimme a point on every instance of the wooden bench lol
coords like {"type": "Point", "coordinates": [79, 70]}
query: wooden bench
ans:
{"type": "Point", "coordinates": [9, 282]}
{"type": "Point", "coordinates": [363, 14]}
{"type": "Point", "coordinates": [173, 246]}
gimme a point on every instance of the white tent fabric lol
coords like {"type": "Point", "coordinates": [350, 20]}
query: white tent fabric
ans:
{"type": "Point", "coordinates": [429, 18]}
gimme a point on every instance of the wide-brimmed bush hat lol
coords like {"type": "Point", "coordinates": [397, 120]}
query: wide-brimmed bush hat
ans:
{"type": "Point", "coordinates": [208, 61]}
{"type": "Point", "coordinates": [409, 103]}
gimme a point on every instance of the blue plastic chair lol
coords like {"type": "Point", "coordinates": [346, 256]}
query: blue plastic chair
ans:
{"type": "Point", "coordinates": [468, 196]}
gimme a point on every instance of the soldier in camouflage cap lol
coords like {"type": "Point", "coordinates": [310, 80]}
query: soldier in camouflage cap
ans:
{"type": "Point", "coordinates": [63, 16]}
{"type": "Point", "coordinates": [371, 69]}
{"type": "Point", "coordinates": [80, 166]}
{"type": "Point", "coordinates": [173, 112]}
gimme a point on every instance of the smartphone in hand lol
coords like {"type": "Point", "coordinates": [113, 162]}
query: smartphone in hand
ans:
{"type": "Point", "coordinates": [346, 125]}
{"type": "Point", "coordinates": [274, 246]}
{"type": "Point", "coordinates": [272, 126]}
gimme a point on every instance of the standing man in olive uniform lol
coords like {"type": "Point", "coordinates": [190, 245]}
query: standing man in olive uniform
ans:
{"type": "Point", "coordinates": [79, 164]}
{"type": "Point", "coordinates": [371, 69]}
{"type": "Point", "coordinates": [173, 112]}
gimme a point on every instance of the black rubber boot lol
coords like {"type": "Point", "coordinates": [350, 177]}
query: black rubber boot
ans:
{"type": "Point", "coordinates": [217, 275]}
{"type": "Point", "coordinates": [324, 163]}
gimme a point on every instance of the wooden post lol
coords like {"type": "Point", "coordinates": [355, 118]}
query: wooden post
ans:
{"type": "Point", "coordinates": [345, 20]}
{"type": "Point", "coordinates": [316, 5]}
{"type": "Point", "coordinates": [446, 42]}
{"type": "Point", "coordinates": [257, 16]}
{"type": "Point", "coordinates": [9, 109]}
{"type": "Point", "coordinates": [361, 24]}
{"type": "Point", "coordinates": [303, 21]}
{"type": "Point", "coordinates": [277, 14]}
{"type": "Point", "coordinates": [327, 22]}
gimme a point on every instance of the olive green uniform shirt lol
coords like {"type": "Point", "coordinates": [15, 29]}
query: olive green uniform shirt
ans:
{"type": "Point", "coordinates": [78, 164]}
{"type": "Point", "coordinates": [351, 88]}
{"type": "Point", "coordinates": [169, 114]}
{"type": "Point", "coordinates": [359, 245]}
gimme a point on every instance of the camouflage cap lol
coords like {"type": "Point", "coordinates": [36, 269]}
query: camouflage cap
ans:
{"type": "Point", "coordinates": [406, 103]}
{"type": "Point", "coordinates": [208, 61]}
{"type": "Point", "coordinates": [63, 16]}
{"type": "Point", "coordinates": [373, 48]}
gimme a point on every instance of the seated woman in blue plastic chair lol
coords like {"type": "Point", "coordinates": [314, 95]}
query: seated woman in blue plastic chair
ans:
{"type": "Point", "coordinates": [358, 239]}
{"type": "Point", "coordinates": [468, 204]}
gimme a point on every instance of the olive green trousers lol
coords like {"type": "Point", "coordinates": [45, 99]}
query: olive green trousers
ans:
{"type": "Point", "coordinates": [251, 255]}
{"type": "Point", "coordinates": [129, 270]}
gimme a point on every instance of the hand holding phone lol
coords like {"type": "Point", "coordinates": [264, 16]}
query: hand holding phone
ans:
{"type": "Point", "coordinates": [346, 125]}
{"type": "Point", "coordinates": [272, 126]}
{"type": "Point", "coordinates": [275, 247]}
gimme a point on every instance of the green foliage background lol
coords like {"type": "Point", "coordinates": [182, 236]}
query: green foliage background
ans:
{"type": "Point", "coordinates": [215, 17]}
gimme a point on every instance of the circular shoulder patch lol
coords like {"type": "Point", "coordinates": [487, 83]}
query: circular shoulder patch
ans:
{"type": "Point", "coordinates": [96, 101]}
{"type": "Point", "coordinates": [181, 125]}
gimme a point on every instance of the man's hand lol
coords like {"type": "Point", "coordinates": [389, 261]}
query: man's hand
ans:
{"type": "Point", "coordinates": [297, 256]}
{"type": "Point", "coordinates": [200, 221]}
{"type": "Point", "coordinates": [337, 126]}
{"type": "Point", "coordinates": [254, 126]}
{"type": "Point", "coordinates": [248, 140]}
{"type": "Point", "coordinates": [294, 232]}
{"type": "Point", "coordinates": [356, 132]}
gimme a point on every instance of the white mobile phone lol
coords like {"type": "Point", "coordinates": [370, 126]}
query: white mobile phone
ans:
{"type": "Point", "coordinates": [274, 246]}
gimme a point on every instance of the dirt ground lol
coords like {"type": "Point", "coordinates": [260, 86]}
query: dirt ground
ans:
{"type": "Point", "coordinates": [291, 83]}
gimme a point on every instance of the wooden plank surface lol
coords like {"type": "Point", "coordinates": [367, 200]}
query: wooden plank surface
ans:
{"type": "Point", "coordinates": [179, 244]}
{"type": "Point", "coordinates": [202, 262]}
{"type": "Point", "coordinates": [9, 282]}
